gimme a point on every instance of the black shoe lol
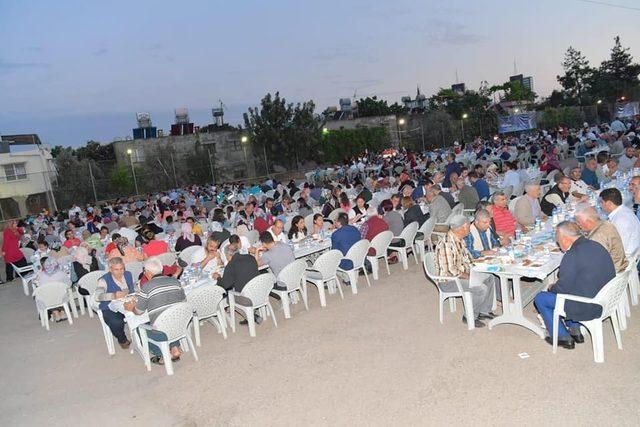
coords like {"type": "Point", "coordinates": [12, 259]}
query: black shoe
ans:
{"type": "Point", "coordinates": [569, 344]}
{"type": "Point", "coordinates": [486, 316]}
{"type": "Point", "coordinates": [576, 334]}
{"type": "Point", "coordinates": [478, 323]}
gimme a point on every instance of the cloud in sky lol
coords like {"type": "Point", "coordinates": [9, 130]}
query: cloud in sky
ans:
{"type": "Point", "coordinates": [6, 66]}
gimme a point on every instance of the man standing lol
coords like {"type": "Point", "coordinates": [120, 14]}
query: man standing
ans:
{"type": "Point", "coordinates": [585, 268]}
{"type": "Point", "coordinates": [158, 294]}
{"type": "Point", "coordinates": [622, 218]}
{"type": "Point", "coordinates": [602, 232]}
{"type": "Point", "coordinates": [452, 167]}
{"type": "Point", "coordinates": [454, 260]}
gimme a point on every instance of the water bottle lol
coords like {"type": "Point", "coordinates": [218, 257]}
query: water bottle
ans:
{"type": "Point", "coordinates": [512, 253]}
{"type": "Point", "coordinates": [554, 217]}
{"type": "Point", "coordinates": [518, 234]}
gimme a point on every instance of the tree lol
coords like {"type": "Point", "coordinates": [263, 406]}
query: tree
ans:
{"type": "Point", "coordinates": [513, 91]}
{"type": "Point", "coordinates": [616, 75]}
{"type": "Point", "coordinates": [95, 151]}
{"type": "Point", "coordinates": [372, 107]}
{"type": "Point", "coordinates": [577, 75]}
{"type": "Point", "coordinates": [282, 130]}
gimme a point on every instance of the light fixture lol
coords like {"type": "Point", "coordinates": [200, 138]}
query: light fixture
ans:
{"type": "Point", "coordinates": [401, 121]}
{"type": "Point", "coordinates": [244, 138]}
{"type": "Point", "coordinates": [622, 98]}
{"type": "Point", "coordinates": [325, 130]}
{"type": "Point", "coordinates": [517, 110]}
{"type": "Point", "coordinates": [129, 151]}
{"type": "Point", "coordinates": [599, 101]}
{"type": "Point", "coordinates": [465, 115]}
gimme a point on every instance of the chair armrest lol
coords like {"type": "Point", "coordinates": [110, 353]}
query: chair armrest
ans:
{"type": "Point", "coordinates": [146, 326]}
{"type": "Point", "coordinates": [567, 297]}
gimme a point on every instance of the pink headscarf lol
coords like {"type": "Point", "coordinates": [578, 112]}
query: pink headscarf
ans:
{"type": "Point", "coordinates": [187, 232]}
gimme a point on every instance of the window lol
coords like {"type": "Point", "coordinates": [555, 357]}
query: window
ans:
{"type": "Point", "coordinates": [138, 155]}
{"type": "Point", "coordinates": [15, 171]}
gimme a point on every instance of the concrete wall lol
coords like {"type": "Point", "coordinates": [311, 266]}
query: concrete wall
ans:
{"type": "Point", "coordinates": [231, 158]}
{"type": "Point", "coordinates": [36, 181]}
{"type": "Point", "coordinates": [388, 122]}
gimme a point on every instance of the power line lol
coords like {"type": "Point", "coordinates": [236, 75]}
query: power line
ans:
{"type": "Point", "coordinates": [619, 6]}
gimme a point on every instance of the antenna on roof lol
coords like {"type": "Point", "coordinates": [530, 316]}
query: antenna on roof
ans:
{"type": "Point", "coordinates": [515, 67]}
{"type": "Point", "coordinates": [457, 79]}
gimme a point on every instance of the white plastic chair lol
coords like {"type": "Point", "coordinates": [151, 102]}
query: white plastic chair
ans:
{"type": "Point", "coordinates": [135, 268]}
{"type": "Point", "coordinates": [257, 290]}
{"type": "Point", "coordinates": [175, 322]}
{"type": "Point", "coordinates": [429, 265]}
{"type": "Point", "coordinates": [49, 296]}
{"type": "Point", "coordinates": [292, 276]}
{"type": "Point", "coordinates": [206, 306]}
{"type": "Point", "coordinates": [634, 280]}
{"type": "Point", "coordinates": [512, 204]}
{"type": "Point", "coordinates": [26, 275]}
{"type": "Point", "coordinates": [408, 235]}
{"type": "Point", "coordinates": [333, 216]}
{"type": "Point", "coordinates": [324, 271]}
{"type": "Point", "coordinates": [187, 254]}
{"type": "Point", "coordinates": [380, 244]}
{"type": "Point", "coordinates": [508, 191]}
{"type": "Point", "coordinates": [356, 254]}
{"type": "Point", "coordinates": [130, 234]}
{"type": "Point", "coordinates": [168, 258]}
{"type": "Point", "coordinates": [609, 299]}
{"type": "Point", "coordinates": [308, 222]}
{"type": "Point", "coordinates": [426, 241]}
{"type": "Point", "coordinates": [89, 282]}
{"type": "Point", "coordinates": [28, 253]}
{"type": "Point", "coordinates": [253, 236]}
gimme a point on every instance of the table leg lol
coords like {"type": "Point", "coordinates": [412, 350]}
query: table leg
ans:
{"type": "Point", "coordinates": [512, 310]}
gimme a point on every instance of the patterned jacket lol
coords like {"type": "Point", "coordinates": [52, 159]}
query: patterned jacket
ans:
{"type": "Point", "coordinates": [452, 256]}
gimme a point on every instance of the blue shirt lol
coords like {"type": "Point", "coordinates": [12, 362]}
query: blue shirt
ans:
{"type": "Point", "coordinates": [342, 240]}
{"type": "Point", "coordinates": [482, 188]}
{"type": "Point", "coordinates": [589, 177]}
{"type": "Point", "coordinates": [451, 167]}
{"type": "Point", "coordinates": [485, 244]}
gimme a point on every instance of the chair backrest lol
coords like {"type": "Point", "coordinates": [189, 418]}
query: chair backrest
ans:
{"type": "Point", "coordinates": [308, 222]}
{"type": "Point", "coordinates": [381, 242]}
{"type": "Point", "coordinates": [512, 204]}
{"type": "Point", "coordinates": [28, 253]}
{"type": "Point", "coordinates": [327, 263]}
{"type": "Point", "coordinates": [167, 258]}
{"type": "Point", "coordinates": [253, 236]}
{"type": "Point", "coordinates": [429, 264]}
{"type": "Point", "coordinates": [258, 288]}
{"type": "Point", "coordinates": [291, 274]}
{"type": "Point", "coordinates": [333, 216]}
{"type": "Point", "coordinates": [161, 236]}
{"type": "Point", "coordinates": [90, 280]}
{"type": "Point", "coordinates": [187, 253]}
{"type": "Point", "coordinates": [206, 300]}
{"type": "Point", "coordinates": [551, 174]}
{"type": "Point", "coordinates": [409, 233]}
{"type": "Point", "coordinates": [508, 191]}
{"type": "Point", "coordinates": [128, 233]}
{"type": "Point", "coordinates": [135, 268]}
{"type": "Point", "coordinates": [51, 294]}
{"type": "Point", "coordinates": [174, 320]}
{"type": "Point", "coordinates": [427, 229]}
{"type": "Point", "coordinates": [357, 252]}
{"type": "Point", "coordinates": [611, 293]}
{"type": "Point", "coordinates": [457, 209]}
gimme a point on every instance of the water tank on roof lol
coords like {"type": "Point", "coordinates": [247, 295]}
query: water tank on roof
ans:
{"type": "Point", "coordinates": [182, 116]}
{"type": "Point", "coordinates": [144, 120]}
{"type": "Point", "coordinates": [218, 115]}
{"type": "Point", "coordinates": [345, 104]}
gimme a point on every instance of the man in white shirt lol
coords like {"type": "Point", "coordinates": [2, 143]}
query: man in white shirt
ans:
{"type": "Point", "coordinates": [511, 176]}
{"type": "Point", "coordinates": [623, 218]}
{"type": "Point", "coordinates": [627, 160]}
{"type": "Point", "coordinates": [577, 184]}
{"type": "Point", "coordinates": [277, 232]}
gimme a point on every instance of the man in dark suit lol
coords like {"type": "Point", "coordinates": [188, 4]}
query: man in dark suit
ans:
{"type": "Point", "coordinates": [585, 268]}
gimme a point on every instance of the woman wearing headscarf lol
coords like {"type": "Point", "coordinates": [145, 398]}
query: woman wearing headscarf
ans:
{"type": "Point", "coordinates": [83, 263]}
{"type": "Point", "coordinates": [125, 251]}
{"type": "Point", "coordinates": [51, 272]}
{"type": "Point", "coordinates": [187, 238]}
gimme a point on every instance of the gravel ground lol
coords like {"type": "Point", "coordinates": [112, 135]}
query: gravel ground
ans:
{"type": "Point", "coordinates": [377, 358]}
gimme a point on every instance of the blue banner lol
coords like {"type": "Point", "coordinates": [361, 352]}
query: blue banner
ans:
{"type": "Point", "coordinates": [517, 122]}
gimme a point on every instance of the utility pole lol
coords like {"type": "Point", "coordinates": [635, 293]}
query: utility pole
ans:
{"type": "Point", "coordinates": [422, 135]}
{"type": "Point", "coordinates": [93, 183]}
{"type": "Point", "coordinates": [173, 167]}
{"type": "Point", "coordinates": [213, 177]}
{"type": "Point", "coordinates": [266, 164]}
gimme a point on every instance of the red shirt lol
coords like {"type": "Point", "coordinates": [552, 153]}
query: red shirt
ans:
{"type": "Point", "coordinates": [11, 245]}
{"type": "Point", "coordinates": [504, 221]}
{"type": "Point", "coordinates": [374, 226]}
{"type": "Point", "coordinates": [111, 246]}
{"type": "Point", "coordinates": [155, 247]}
{"type": "Point", "coordinates": [74, 241]}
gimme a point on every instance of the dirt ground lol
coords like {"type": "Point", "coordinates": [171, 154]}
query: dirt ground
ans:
{"type": "Point", "coordinates": [377, 358]}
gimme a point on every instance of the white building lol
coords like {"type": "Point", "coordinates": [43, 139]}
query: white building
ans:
{"type": "Point", "coordinates": [26, 174]}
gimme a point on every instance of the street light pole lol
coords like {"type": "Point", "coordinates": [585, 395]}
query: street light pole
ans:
{"type": "Point", "coordinates": [400, 123]}
{"type": "Point", "coordinates": [422, 135]}
{"type": "Point", "coordinates": [464, 116]}
{"type": "Point", "coordinates": [133, 170]}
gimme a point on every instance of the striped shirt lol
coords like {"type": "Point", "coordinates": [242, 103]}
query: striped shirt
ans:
{"type": "Point", "coordinates": [158, 294]}
{"type": "Point", "coordinates": [504, 220]}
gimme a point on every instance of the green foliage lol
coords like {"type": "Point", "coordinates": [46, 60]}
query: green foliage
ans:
{"type": "Point", "coordinates": [372, 107]}
{"type": "Point", "coordinates": [339, 144]}
{"type": "Point", "coordinates": [513, 91]}
{"type": "Point", "coordinates": [456, 105]}
{"type": "Point", "coordinates": [577, 76]}
{"type": "Point", "coordinates": [120, 179]}
{"type": "Point", "coordinates": [283, 130]}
